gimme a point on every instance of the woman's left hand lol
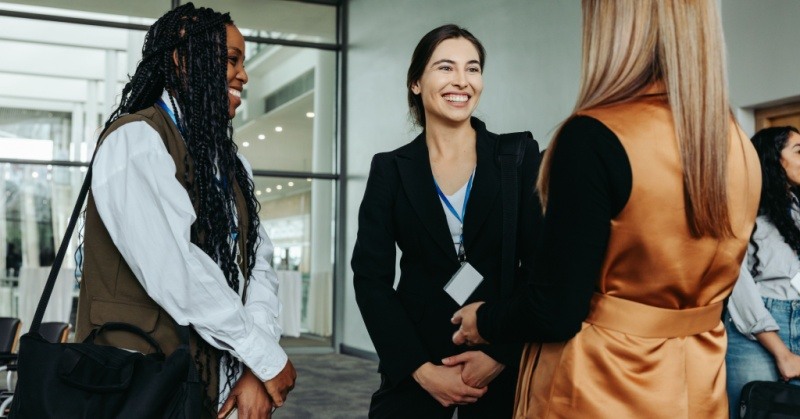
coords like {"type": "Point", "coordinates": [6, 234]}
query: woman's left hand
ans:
{"type": "Point", "coordinates": [249, 396]}
{"type": "Point", "coordinates": [479, 369]}
{"type": "Point", "coordinates": [467, 317]}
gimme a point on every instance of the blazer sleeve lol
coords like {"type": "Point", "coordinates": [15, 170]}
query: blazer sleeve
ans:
{"type": "Point", "coordinates": [392, 332]}
{"type": "Point", "coordinates": [590, 182]}
{"type": "Point", "coordinates": [529, 227]}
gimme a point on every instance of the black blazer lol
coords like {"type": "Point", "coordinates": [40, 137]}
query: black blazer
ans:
{"type": "Point", "coordinates": [411, 326]}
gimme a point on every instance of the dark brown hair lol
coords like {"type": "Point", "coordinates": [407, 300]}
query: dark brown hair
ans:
{"type": "Point", "coordinates": [423, 53]}
{"type": "Point", "coordinates": [777, 192]}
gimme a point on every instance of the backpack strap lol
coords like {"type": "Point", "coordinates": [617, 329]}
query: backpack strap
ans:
{"type": "Point", "coordinates": [510, 150]}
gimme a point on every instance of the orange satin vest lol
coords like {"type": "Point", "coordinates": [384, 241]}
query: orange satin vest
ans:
{"type": "Point", "coordinates": [653, 345]}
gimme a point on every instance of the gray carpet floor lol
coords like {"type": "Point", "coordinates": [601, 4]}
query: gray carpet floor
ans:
{"type": "Point", "coordinates": [330, 386]}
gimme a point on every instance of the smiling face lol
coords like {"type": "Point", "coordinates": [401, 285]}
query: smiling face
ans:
{"type": "Point", "coordinates": [452, 83]}
{"type": "Point", "coordinates": [790, 159]}
{"type": "Point", "coordinates": [236, 75]}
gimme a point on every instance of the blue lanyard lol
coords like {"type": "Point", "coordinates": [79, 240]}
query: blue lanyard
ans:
{"type": "Point", "coordinates": [447, 203]}
{"type": "Point", "coordinates": [160, 103]}
{"type": "Point", "coordinates": [460, 218]}
{"type": "Point", "coordinates": [166, 109]}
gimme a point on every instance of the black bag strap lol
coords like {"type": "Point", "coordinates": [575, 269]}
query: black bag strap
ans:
{"type": "Point", "coordinates": [62, 250]}
{"type": "Point", "coordinates": [510, 150]}
{"type": "Point", "coordinates": [183, 331]}
{"type": "Point", "coordinates": [124, 327]}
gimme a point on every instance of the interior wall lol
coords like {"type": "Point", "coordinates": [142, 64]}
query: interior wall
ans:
{"type": "Point", "coordinates": [763, 60]}
{"type": "Point", "coordinates": [530, 83]}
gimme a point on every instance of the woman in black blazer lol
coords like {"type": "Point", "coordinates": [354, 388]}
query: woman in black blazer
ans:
{"type": "Point", "coordinates": [414, 199]}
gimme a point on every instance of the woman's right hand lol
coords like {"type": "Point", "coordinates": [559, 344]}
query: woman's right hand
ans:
{"type": "Point", "coordinates": [788, 365]}
{"type": "Point", "coordinates": [445, 384]}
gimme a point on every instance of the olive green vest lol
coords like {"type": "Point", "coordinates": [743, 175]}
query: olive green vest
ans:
{"type": "Point", "coordinates": [109, 291]}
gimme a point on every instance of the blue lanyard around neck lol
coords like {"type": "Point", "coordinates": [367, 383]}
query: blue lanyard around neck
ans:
{"type": "Point", "coordinates": [459, 217]}
{"type": "Point", "coordinates": [160, 103]}
{"type": "Point", "coordinates": [462, 257]}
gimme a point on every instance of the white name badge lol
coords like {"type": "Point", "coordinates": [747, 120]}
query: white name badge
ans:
{"type": "Point", "coordinates": [796, 282]}
{"type": "Point", "coordinates": [463, 283]}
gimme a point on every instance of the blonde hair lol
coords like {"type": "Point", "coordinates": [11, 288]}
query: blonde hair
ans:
{"type": "Point", "coordinates": [628, 45]}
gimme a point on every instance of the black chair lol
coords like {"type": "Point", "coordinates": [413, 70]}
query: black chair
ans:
{"type": "Point", "coordinates": [9, 334]}
{"type": "Point", "coordinates": [10, 328]}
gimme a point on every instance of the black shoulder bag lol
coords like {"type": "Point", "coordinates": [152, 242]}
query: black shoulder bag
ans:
{"type": "Point", "coordinates": [510, 151]}
{"type": "Point", "coordinates": [84, 380]}
{"type": "Point", "coordinates": [769, 400]}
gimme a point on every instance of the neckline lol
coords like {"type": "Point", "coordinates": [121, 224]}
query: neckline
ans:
{"type": "Point", "coordinates": [463, 187]}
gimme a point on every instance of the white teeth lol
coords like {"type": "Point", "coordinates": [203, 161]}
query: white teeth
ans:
{"type": "Point", "coordinates": [235, 92]}
{"type": "Point", "coordinates": [456, 98]}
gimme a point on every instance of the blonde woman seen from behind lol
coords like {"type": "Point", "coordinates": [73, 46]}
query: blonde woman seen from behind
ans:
{"type": "Point", "coordinates": [650, 191]}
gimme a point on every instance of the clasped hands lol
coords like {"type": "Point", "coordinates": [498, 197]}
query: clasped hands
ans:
{"type": "Point", "coordinates": [256, 399]}
{"type": "Point", "coordinates": [463, 378]}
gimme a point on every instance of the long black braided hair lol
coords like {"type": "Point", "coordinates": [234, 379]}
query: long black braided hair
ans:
{"type": "Point", "coordinates": [776, 191]}
{"type": "Point", "coordinates": [185, 53]}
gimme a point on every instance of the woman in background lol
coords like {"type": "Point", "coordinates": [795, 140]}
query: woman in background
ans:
{"type": "Point", "coordinates": [172, 230]}
{"type": "Point", "coordinates": [437, 198]}
{"type": "Point", "coordinates": [650, 191]}
{"type": "Point", "coordinates": [763, 321]}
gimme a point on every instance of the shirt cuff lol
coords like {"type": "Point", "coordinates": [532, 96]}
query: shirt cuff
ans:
{"type": "Point", "coordinates": [263, 356]}
{"type": "Point", "coordinates": [764, 324]}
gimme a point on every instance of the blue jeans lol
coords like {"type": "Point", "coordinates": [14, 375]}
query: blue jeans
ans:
{"type": "Point", "coordinates": [747, 360]}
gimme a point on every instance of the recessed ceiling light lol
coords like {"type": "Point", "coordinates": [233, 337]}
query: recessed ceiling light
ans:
{"type": "Point", "coordinates": [309, 114]}
{"type": "Point", "coordinates": [269, 190]}
{"type": "Point", "coordinates": [290, 184]}
{"type": "Point", "coordinates": [258, 193]}
{"type": "Point", "coordinates": [35, 175]}
{"type": "Point", "coordinates": [278, 129]}
{"type": "Point", "coordinates": [308, 179]}
{"type": "Point", "coordinates": [262, 137]}
{"type": "Point", "coordinates": [245, 144]}
{"type": "Point", "coordinates": [279, 187]}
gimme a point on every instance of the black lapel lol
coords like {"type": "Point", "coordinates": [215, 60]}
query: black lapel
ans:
{"type": "Point", "coordinates": [485, 187]}
{"type": "Point", "coordinates": [417, 179]}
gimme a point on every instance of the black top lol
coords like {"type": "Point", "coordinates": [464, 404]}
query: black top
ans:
{"type": "Point", "coordinates": [410, 325]}
{"type": "Point", "coordinates": [590, 183]}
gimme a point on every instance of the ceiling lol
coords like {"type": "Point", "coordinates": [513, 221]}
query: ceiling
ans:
{"type": "Point", "coordinates": [283, 18]}
{"type": "Point", "coordinates": [291, 149]}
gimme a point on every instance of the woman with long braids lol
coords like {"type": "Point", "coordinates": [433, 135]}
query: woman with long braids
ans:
{"type": "Point", "coordinates": [763, 316]}
{"type": "Point", "coordinates": [172, 232]}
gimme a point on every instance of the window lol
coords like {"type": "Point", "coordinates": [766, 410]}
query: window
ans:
{"type": "Point", "coordinates": [70, 62]}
